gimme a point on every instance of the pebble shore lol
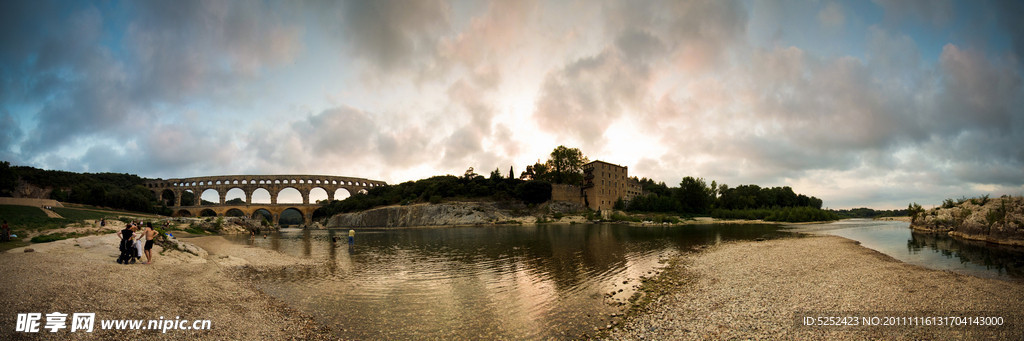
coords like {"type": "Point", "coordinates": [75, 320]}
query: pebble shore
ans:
{"type": "Point", "coordinates": [758, 290]}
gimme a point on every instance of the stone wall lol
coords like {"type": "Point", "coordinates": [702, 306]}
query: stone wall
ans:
{"type": "Point", "coordinates": [566, 193]}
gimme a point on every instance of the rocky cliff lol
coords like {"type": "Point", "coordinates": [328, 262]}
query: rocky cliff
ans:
{"type": "Point", "coordinates": [995, 220]}
{"type": "Point", "coordinates": [454, 213]}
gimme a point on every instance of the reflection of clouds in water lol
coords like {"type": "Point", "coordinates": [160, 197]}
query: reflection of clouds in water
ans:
{"type": "Point", "coordinates": [522, 282]}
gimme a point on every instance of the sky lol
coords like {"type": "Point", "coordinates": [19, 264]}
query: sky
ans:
{"type": "Point", "coordinates": [860, 103]}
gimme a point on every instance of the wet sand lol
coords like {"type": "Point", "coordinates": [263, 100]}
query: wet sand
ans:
{"type": "Point", "coordinates": [753, 290]}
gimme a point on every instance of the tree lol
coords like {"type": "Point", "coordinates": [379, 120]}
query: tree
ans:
{"type": "Point", "coordinates": [470, 174]}
{"type": "Point", "coordinates": [694, 195]}
{"type": "Point", "coordinates": [914, 210]}
{"type": "Point", "coordinates": [566, 165]}
{"type": "Point", "coordinates": [8, 180]}
{"type": "Point", "coordinates": [511, 173]}
{"type": "Point", "coordinates": [495, 175]}
{"type": "Point", "coordinates": [534, 192]}
{"type": "Point", "coordinates": [540, 171]}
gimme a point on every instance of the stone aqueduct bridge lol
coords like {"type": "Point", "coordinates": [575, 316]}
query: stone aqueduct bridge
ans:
{"type": "Point", "coordinates": [249, 184]}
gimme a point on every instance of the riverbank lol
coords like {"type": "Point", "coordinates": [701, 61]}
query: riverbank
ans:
{"type": "Point", "coordinates": [992, 220]}
{"type": "Point", "coordinates": [753, 290]}
{"type": "Point", "coordinates": [473, 213]}
{"type": "Point", "coordinates": [80, 275]}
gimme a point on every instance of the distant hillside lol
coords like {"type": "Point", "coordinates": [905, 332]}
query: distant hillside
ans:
{"type": "Point", "coordinates": [114, 190]}
{"type": "Point", "coordinates": [995, 220]}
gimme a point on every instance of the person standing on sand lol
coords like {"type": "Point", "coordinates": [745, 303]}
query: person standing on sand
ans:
{"type": "Point", "coordinates": [150, 234]}
{"type": "Point", "coordinates": [6, 230]}
{"type": "Point", "coordinates": [137, 241]}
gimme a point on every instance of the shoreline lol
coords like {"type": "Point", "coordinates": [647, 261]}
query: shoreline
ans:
{"type": "Point", "coordinates": [79, 275]}
{"type": "Point", "coordinates": [757, 290]}
{"type": "Point", "coordinates": [746, 289]}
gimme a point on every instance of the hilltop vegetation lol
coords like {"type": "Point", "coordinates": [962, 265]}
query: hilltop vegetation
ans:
{"type": "Point", "coordinates": [436, 189]}
{"type": "Point", "coordinates": [114, 190]}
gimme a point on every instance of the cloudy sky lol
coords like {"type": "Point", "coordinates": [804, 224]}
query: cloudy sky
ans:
{"type": "Point", "coordinates": [859, 103]}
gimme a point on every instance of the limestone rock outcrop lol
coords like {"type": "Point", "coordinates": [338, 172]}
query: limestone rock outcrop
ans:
{"type": "Point", "coordinates": [995, 220]}
{"type": "Point", "coordinates": [453, 213]}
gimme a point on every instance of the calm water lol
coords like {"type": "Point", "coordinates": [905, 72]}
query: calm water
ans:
{"type": "Point", "coordinates": [942, 252]}
{"type": "Point", "coordinates": [518, 282]}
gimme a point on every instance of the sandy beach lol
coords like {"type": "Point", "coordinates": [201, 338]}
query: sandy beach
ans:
{"type": "Point", "coordinates": [81, 275]}
{"type": "Point", "coordinates": [752, 290]}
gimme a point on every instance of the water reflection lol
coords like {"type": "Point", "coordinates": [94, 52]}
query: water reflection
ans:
{"type": "Point", "coordinates": [535, 282]}
{"type": "Point", "coordinates": [1004, 260]}
{"type": "Point", "coordinates": [936, 251]}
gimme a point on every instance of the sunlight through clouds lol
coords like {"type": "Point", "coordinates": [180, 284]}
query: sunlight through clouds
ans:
{"type": "Point", "coordinates": [860, 103]}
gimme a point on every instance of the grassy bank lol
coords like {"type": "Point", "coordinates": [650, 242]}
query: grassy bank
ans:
{"type": "Point", "coordinates": [26, 220]}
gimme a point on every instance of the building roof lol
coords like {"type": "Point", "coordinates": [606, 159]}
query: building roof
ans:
{"type": "Point", "coordinates": [607, 163]}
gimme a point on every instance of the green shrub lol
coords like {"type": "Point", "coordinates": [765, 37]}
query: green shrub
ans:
{"type": "Point", "coordinates": [948, 203]}
{"type": "Point", "coordinates": [622, 217]}
{"type": "Point", "coordinates": [997, 215]}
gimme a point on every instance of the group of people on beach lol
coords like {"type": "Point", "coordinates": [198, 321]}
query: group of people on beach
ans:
{"type": "Point", "coordinates": [132, 233]}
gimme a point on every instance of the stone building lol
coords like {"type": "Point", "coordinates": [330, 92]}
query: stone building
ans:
{"type": "Point", "coordinates": [604, 183]}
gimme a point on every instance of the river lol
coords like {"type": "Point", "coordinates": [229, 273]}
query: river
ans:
{"type": "Point", "coordinates": [930, 250]}
{"type": "Point", "coordinates": [504, 282]}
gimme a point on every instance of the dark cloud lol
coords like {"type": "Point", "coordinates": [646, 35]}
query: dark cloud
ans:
{"type": "Point", "coordinates": [979, 93]}
{"type": "Point", "coordinates": [1009, 13]}
{"type": "Point", "coordinates": [393, 34]}
{"type": "Point", "coordinates": [934, 12]}
{"type": "Point", "coordinates": [202, 48]}
{"type": "Point", "coordinates": [67, 68]}
{"type": "Point", "coordinates": [339, 130]}
{"type": "Point", "coordinates": [10, 133]}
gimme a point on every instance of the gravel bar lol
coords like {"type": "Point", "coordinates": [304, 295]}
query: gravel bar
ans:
{"type": "Point", "coordinates": [759, 290]}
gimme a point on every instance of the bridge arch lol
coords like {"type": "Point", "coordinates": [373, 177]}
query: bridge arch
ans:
{"type": "Point", "coordinates": [262, 213]}
{"type": "Point", "coordinates": [167, 196]}
{"type": "Point", "coordinates": [291, 216]}
{"type": "Point", "coordinates": [234, 212]}
{"type": "Point", "coordinates": [211, 195]}
{"type": "Point", "coordinates": [183, 195]}
{"type": "Point", "coordinates": [291, 195]}
{"type": "Point", "coordinates": [261, 196]}
{"type": "Point", "coordinates": [236, 193]}
{"type": "Point", "coordinates": [317, 194]}
{"type": "Point", "coordinates": [341, 193]}
{"type": "Point", "coordinates": [207, 213]}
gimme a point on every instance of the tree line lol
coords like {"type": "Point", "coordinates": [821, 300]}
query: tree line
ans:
{"type": "Point", "coordinates": [114, 190]}
{"type": "Point", "coordinates": [443, 188]}
{"type": "Point", "coordinates": [696, 196]}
